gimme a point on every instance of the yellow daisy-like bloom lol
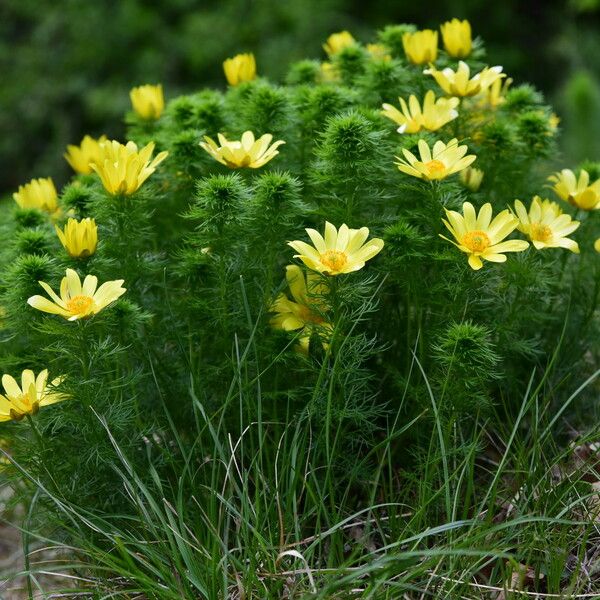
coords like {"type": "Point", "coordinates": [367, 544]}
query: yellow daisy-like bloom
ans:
{"type": "Point", "coordinates": [79, 238]}
{"type": "Point", "coordinates": [480, 237]}
{"type": "Point", "coordinates": [378, 52]}
{"type": "Point", "coordinates": [456, 36]}
{"type": "Point", "coordinates": [460, 83]}
{"type": "Point", "coordinates": [340, 251]}
{"type": "Point", "coordinates": [38, 193]}
{"type": "Point", "coordinates": [328, 73]}
{"type": "Point", "coordinates": [471, 178]}
{"type": "Point", "coordinates": [440, 162]}
{"type": "Point", "coordinates": [544, 227]}
{"type": "Point", "coordinates": [553, 122]}
{"type": "Point", "coordinates": [240, 68]}
{"type": "Point", "coordinates": [123, 169]}
{"type": "Point", "coordinates": [80, 157]}
{"type": "Point", "coordinates": [78, 301]}
{"type": "Point", "coordinates": [336, 42]}
{"type": "Point", "coordinates": [421, 47]}
{"type": "Point", "coordinates": [27, 398]}
{"type": "Point", "coordinates": [246, 152]}
{"type": "Point", "coordinates": [577, 191]}
{"type": "Point", "coordinates": [434, 115]}
{"type": "Point", "coordinates": [148, 101]}
{"type": "Point", "coordinates": [495, 94]}
{"type": "Point", "coordinates": [305, 312]}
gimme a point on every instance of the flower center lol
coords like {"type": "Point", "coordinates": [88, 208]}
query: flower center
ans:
{"type": "Point", "coordinates": [334, 260]}
{"type": "Point", "coordinates": [79, 305]}
{"type": "Point", "coordinates": [238, 163]}
{"type": "Point", "coordinates": [23, 406]}
{"type": "Point", "coordinates": [476, 241]}
{"type": "Point", "coordinates": [308, 316]}
{"type": "Point", "coordinates": [435, 167]}
{"type": "Point", "coordinates": [540, 233]}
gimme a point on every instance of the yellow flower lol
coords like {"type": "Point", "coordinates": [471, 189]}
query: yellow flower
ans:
{"type": "Point", "coordinates": [435, 113]}
{"type": "Point", "coordinates": [148, 101]}
{"type": "Point", "coordinates": [577, 191]}
{"type": "Point", "coordinates": [545, 226]}
{"type": "Point", "coordinates": [78, 301]}
{"type": "Point", "coordinates": [460, 83]}
{"type": "Point", "coordinates": [471, 178]}
{"type": "Point", "coordinates": [305, 312]}
{"type": "Point", "coordinates": [40, 194]}
{"type": "Point", "coordinates": [246, 152]}
{"type": "Point", "coordinates": [27, 398]}
{"type": "Point", "coordinates": [336, 42]}
{"type": "Point", "coordinates": [440, 162]}
{"type": "Point", "coordinates": [495, 94]}
{"type": "Point", "coordinates": [123, 169]}
{"type": "Point", "coordinates": [597, 245]}
{"type": "Point", "coordinates": [328, 73]}
{"type": "Point", "coordinates": [342, 251]}
{"type": "Point", "coordinates": [456, 35]}
{"type": "Point", "coordinates": [80, 157]}
{"type": "Point", "coordinates": [420, 47]}
{"type": "Point", "coordinates": [242, 67]}
{"type": "Point", "coordinates": [378, 52]}
{"type": "Point", "coordinates": [79, 238]}
{"type": "Point", "coordinates": [480, 237]}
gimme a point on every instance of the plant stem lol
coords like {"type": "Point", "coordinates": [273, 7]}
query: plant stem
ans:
{"type": "Point", "coordinates": [36, 433]}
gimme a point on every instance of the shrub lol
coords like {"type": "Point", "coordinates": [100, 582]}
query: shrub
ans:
{"type": "Point", "coordinates": [337, 311]}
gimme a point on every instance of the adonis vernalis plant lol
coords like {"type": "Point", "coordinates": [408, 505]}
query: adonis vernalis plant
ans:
{"type": "Point", "coordinates": [354, 331]}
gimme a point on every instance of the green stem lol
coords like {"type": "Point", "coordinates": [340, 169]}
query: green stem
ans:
{"type": "Point", "coordinates": [85, 360]}
{"type": "Point", "coordinates": [83, 346]}
{"type": "Point", "coordinates": [36, 433]}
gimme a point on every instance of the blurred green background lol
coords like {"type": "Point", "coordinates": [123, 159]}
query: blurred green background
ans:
{"type": "Point", "coordinates": [67, 65]}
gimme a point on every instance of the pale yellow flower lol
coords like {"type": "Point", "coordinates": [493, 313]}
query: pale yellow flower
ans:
{"type": "Point", "coordinates": [123, 169]}
{"type": "Point", "coordinates": [337, 42]}
{"type": "Point", "coordinates": [77, 301]}
{"type": "Point", "coordinates": [80, 157]}
{"type": "Point", "coordinates": [456, 35]}
{"type": "Point", "coordinates": [246, 152]}
{"type": "Point", "coordinates": [240, 68]}
{"type": "Point", "coordinates": [577, 191]}
{"type": "Point", "coordinates": [434, 114]}
{"type": "Point", "coordinates": [378, 52]}
{"type": "Point", "coordinates": [480, 237]}
{"type": "Point", "coordinates": [460, 83]}
{"type": "Point", "coordinates": [305, 313]}
{"type": "Point", "coordinates": [343, 251]}
{"type": "Point", "coordinates": [79, 238]}
{"type": "Point", "coordinates": [148, 101]}
{"type": "Point", "coordinates": [597, 245]}
{"type": "Point", "coordinates": [440, 162]}
{"type": "Point", "coordinates": [495, 95]}
{"type": "Point", "coordinates": [544, 227]}
{"type": "Point", "coordinates": [471, 178]}
{"type": "Point", "coordinates": [421, 47]}
{"type": "Point", "coordinates": [27, 398]}
{"type": "Point", "coordinates": [38, 193]}
{"type": "Point", "coordinates": [329, 73]}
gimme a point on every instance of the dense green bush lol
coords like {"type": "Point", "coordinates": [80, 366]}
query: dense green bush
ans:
{"type": "Point", "coordinates": [354, 409]}
{"type": "Point", "coordinates": [67, 66]}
